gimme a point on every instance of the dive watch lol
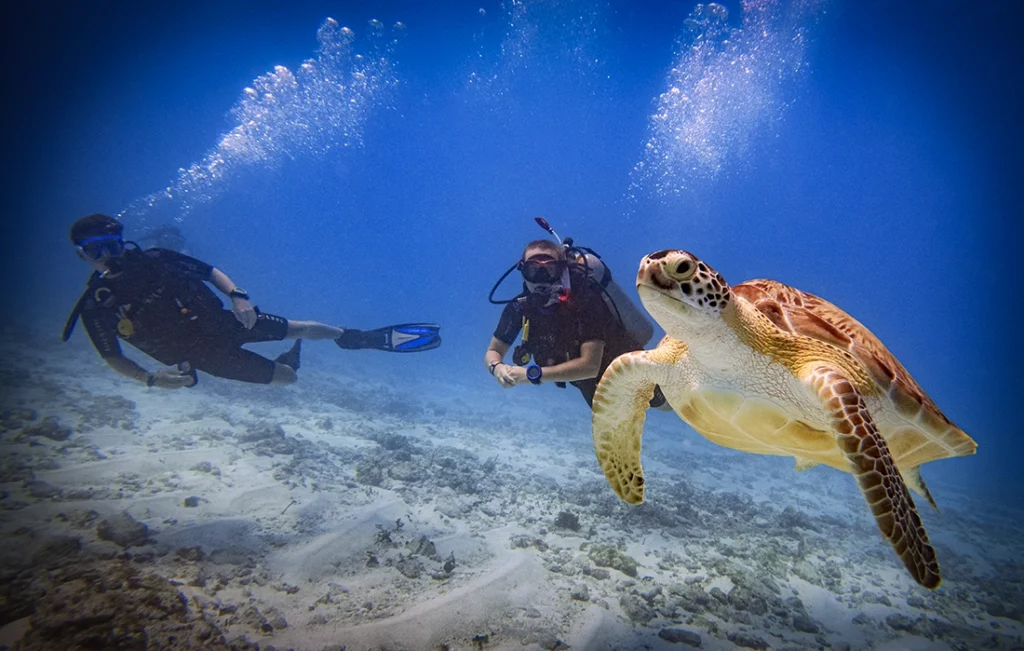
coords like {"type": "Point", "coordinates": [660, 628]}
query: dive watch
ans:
{"type": "Point", "coordinates": [238, 292]}
{"type": "Point", "coordinates": [534, 373]}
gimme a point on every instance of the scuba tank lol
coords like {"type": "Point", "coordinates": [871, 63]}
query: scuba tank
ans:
{"type": "Point", "coordinates": [640, 330]}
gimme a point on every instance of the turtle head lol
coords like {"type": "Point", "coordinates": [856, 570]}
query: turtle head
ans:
{"type": "Point", "coordinates": [678, 288]}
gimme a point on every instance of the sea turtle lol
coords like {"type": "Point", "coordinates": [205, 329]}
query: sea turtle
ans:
{"type": "Point", "coordinates": [765, 368]}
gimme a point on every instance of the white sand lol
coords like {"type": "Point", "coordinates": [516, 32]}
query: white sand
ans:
{"type": "Point", "coordinates": [295, 534]}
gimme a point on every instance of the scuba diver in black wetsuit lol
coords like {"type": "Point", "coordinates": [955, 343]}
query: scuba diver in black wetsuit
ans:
{"type": "Point", "coordinates": [573, 318]}
{"type": "Point", "coordinates": [158, 301]}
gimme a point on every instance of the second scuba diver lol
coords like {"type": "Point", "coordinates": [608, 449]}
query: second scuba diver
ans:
{"type": "Point", "coordinates": [158, 301]}
{"type": "Point", "coordinates": [574, 320]}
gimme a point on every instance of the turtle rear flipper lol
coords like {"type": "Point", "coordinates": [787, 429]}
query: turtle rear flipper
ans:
{"type": "Point", "coordinates": [876, 472]}
{"type": "Point", "coordinates": [915, 482]}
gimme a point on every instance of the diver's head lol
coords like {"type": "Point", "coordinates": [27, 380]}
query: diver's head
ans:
{"type": "Point", "coordinates": [97, 239]}
{"type": "Point", "coordinates": [544, 270]}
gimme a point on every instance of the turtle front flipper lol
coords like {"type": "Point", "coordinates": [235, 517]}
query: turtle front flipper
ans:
{"type": "Point", "coordinates": [877, 474]}
{"type": "Point", "coordinates": [619, 412]}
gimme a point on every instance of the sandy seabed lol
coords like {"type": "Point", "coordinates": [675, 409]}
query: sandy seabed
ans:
{"type": "Point", "coordinates": [364, 510]}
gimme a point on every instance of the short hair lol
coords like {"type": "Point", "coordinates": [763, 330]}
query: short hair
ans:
{"type": "Point", "coordinates": [95, 225]}
{"type": "Point", "coordinates": [545, 246]}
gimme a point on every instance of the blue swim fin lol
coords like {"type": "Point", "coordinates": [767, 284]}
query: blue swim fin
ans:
{"type": "Point", "coordinates": [403, 338]}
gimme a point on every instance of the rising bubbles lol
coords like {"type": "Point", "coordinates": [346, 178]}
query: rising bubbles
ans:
{"type": "Point", "coordinates": [319, 108]}
{"type": "Point", "coordinates": [728, 88]}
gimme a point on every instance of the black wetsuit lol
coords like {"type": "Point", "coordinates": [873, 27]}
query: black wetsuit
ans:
{"type": "Point", "coordinates": [557, 333]}
{"type": "Point", "coordinates": [159, 303]}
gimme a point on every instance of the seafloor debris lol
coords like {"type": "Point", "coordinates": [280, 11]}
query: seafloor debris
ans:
{"type": "Point", "coordinates": [608, 556]}
{"type": "Point", "coordinates": [116, 606]}
{"type": "Point", "coordinates": [122, 529]}
{"type": "Point", "coordinates": [568, 520]}
{"type": "Point", "coordinates": [51, 428]}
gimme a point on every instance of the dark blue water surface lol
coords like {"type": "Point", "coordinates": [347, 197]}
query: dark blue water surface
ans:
{"type": "Point", "coordinates": [862, 151]}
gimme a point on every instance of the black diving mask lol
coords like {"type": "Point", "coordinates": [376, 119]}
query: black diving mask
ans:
{"type": "Point", "coordinates": [542, 270]}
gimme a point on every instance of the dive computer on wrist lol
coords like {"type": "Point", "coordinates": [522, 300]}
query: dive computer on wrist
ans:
{"type": "Point", "coordinates": [534, 373]}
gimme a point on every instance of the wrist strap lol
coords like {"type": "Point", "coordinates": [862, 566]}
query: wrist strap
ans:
{"type": "Point", "coordinates": [150, 379]}
{"type": "Point", "coordinates": [492, 366]}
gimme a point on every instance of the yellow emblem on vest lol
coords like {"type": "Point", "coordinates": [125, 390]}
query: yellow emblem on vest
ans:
{"type": "Point", "coordinates": [125, 327]}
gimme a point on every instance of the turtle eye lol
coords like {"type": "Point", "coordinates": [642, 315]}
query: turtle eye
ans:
{"type": "Point", "coordinates": [683, 269]}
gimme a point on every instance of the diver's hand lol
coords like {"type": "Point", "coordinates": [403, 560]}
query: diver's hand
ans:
{"type": "Point", "coordinates": [518, 374]}
{"type": "Point", "coordinates": [244, 312]}
{"type": "Point", "coordinates": [171, 379]}
{"type": "Point", "coordinates": [503, 376]}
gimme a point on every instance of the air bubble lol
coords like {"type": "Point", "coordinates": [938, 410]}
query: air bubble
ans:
{"type": "Point", "coordinates": [727, 91]}
{"type": "Point", "coordinates": [282, 116]}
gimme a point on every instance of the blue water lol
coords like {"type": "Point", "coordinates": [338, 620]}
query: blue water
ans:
{"type": "Point", "coordinates": [858, 151]}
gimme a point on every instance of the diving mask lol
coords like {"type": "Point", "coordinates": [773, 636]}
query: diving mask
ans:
{"type": "Point", "coordinates": [542, 270]}
{"type": "Point", "coordinates": [102, 246]}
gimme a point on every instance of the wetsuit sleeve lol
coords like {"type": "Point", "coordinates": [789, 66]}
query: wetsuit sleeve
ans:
{"type": "Point", "coordinates": [509, 325]}
{"type": "Point", "coordinates": [186, 265]}
{"type": "Point", "coordinates": [102, 328]}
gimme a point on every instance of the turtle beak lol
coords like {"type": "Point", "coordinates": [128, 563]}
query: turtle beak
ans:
{"type": "Point", "coordinates": [651, 275]}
